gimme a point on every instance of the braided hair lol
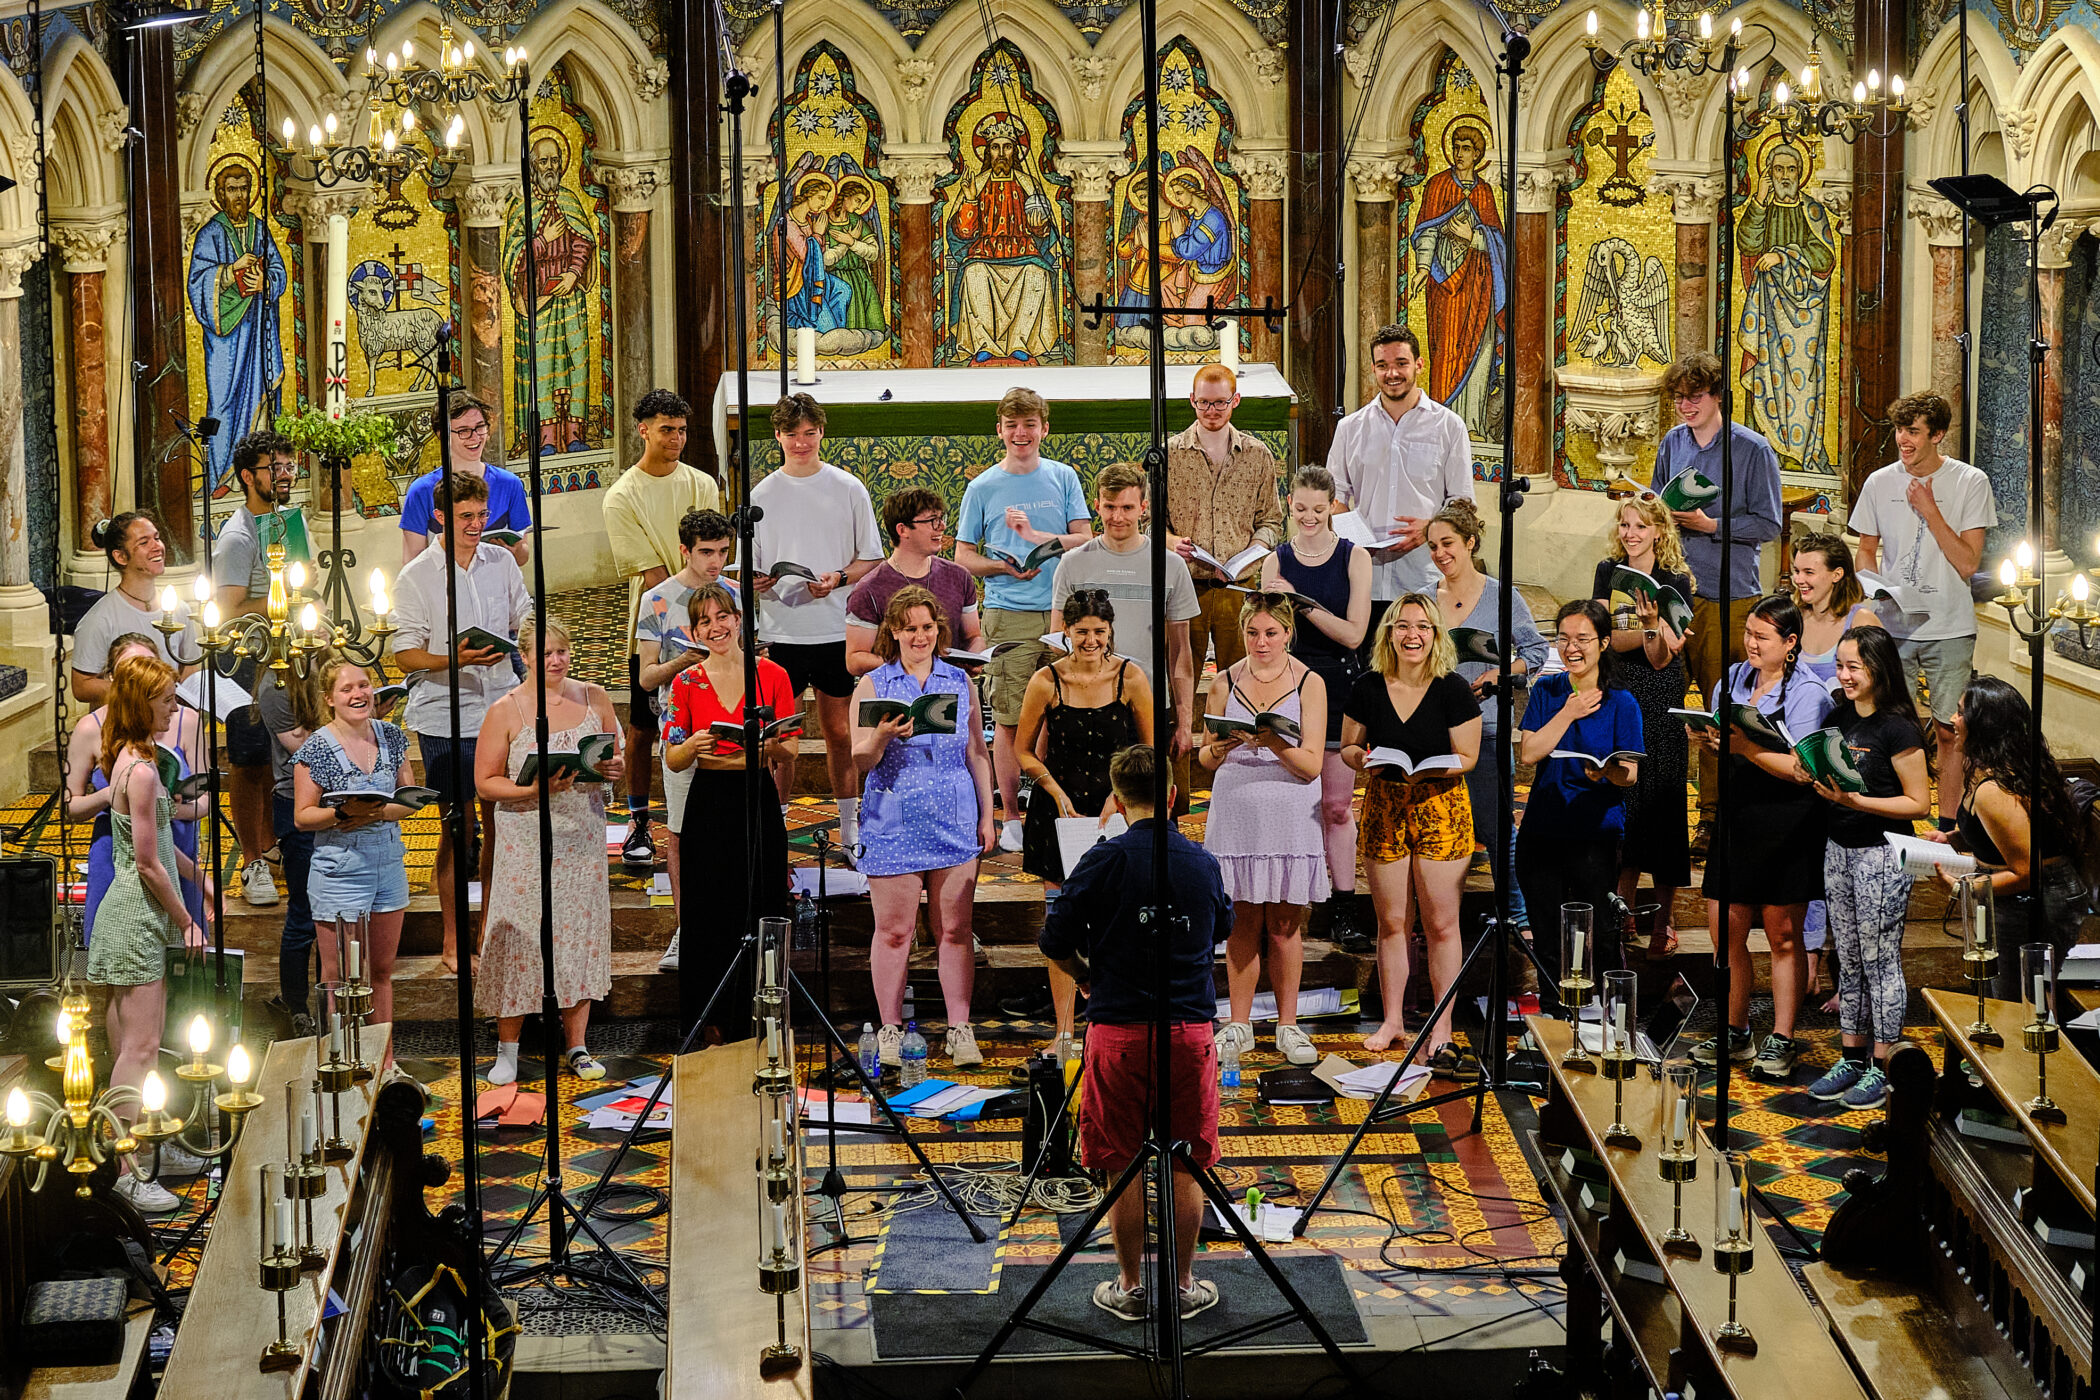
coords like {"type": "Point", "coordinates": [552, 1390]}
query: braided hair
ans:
{"type": "Point", "coordinates": [1782, 614]}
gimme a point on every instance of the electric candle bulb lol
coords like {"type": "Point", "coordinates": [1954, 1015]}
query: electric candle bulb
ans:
{"type": "Point", "coordinates": [1706, 25]}
{"type": "Point", "coordinates": [1779, 95]}
{"type": "Point", "coordinates": [1590, 24]}
{"type": "Point", "coordinates": [521, 54]}
{"type": "Point", "coordinates": [237, 1066]}
{"type": "Point", "coordinates": [467, 53]}
{"type": "Point", "coordinates": [211, 616]}
{"type": "Point", "coordinates": [328, 125]}
{"type": "Point", "coordinates": [386, 143]}
{"type": "Point", "coordinates": [1735, 28]}
{"type": "Point", "coordinates": [310, 617]}
{"type": "Point", "coordinates": [1873, 80]}
{"type": "Point", "coordinates": [393, 63]}
{"type": "Point", "coordinates": [2081, 589]}
{"type": "Point", "coordinates": [65, 1027]}
{"type": "Point", "coordinates": [200, 1035]}
{"type": "Point", "coordinates": [290, 130]}
{"type": "Point", "coordinates": [154, 1094]}
{"type": "Point", "coordinates": [2007, 574]}
{"type": "Point", "coordinates": [313, 136]}
{"type": "Point", "coordinates": [1896, 86]}
{"type": "Point", "coordinates": [202, 588]}
{"type": "Point", "coordinates": [1859, 93]}
{"type": "Point", "coordinates": [17, 1108]}
{"type": "Point", "coordinates": [408, 119]}
{"type": "Point", "coordinates": [1640, 26]}
{"type": "Point", "coordinates": [2023, 555]}
{"type": "Point", "coordinates": [168, 600]}
{"type": "Point", "coordinates": [408, 51]}
{"type": "Point", "coordinates": [510, 57]}
{"type": "Point", "coordinates": [1742, 81]}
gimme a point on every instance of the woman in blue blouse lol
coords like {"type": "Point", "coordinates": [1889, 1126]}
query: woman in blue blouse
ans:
{"type": "Point", "coordinates": [1568, 845]}
{"type": "Point", "coordinates": [1772, 835]}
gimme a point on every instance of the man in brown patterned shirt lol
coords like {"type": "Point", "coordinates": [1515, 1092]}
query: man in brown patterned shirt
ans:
{"type": "Point", "coordinates": [1222, 497]}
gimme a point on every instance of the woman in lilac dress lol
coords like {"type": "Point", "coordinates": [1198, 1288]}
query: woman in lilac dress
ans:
{"type": "Point", "coordinates": [925, 817]}
{"type": "Point", "coordinates": [1264, 823]}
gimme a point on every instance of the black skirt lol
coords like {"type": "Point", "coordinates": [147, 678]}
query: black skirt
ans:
{"type": "Point", "coordinates": [714, 854]}
{"type": "Point", "coordinates": [1773, 835]}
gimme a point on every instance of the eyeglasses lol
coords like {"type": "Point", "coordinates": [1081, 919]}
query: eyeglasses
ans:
{"type": "Point", "coordinates": [477, 430]}
{"type": "Point", "coordinates": [1214, 404]}
{"type": "Point", "coordinates": [1690, 398]}
{"type": "Point", "coordinates": [1564, 640]}
{"type": "Point", "coordinates": [939, 522]}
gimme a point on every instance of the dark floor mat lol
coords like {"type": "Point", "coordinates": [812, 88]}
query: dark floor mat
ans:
{"type": "Point", "coordinates": [918, 1327]}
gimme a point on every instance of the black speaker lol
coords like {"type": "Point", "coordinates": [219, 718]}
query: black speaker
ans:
{"type": "Point", "coordinates": [1045, 1095]}
{"type": "Point", "coordinates": [29, 937]}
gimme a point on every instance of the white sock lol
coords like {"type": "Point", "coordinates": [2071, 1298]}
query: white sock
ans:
{"type": "Point", "coordinates": [1015, 826]}
{"type": "Point", "coordinates": [849, 821]}
{"type": "Point", "coordinates": [505, 1070]}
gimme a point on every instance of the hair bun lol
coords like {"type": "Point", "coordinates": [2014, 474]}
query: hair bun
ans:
{"type": "Point", "coordinates": [98, 535]}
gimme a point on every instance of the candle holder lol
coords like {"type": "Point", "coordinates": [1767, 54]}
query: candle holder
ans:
{"type": "Point", "coordinates": [336, 1075]}
{"type": "Point", "coordinates": [280, 1266]}
{"type": "Point", "coordinates": [779, 1180]}
{"type": "Point", "coordinates": [353, 994]}
{"type": "Point", "coordinates": [1735, 1249]}
{"type": "Point", "coordinates": [1620, 1063]}
{"type": "Point", "coordinates": [1979, 954]}
{"type": "Point", "coordinates": [2038, 978]}
{"type": "Point", "coordinates": [1678, 1160]}
{"type": "Point", "coordinates": [305, 1175]}
{"type": "Point", "coordinates": [1577, 979]}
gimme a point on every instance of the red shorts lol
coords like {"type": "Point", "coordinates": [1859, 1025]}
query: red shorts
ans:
{"type": "Point", "coordinates": [1117, 1109]}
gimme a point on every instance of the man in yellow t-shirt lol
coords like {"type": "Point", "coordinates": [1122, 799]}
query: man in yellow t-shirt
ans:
{"type": "Point", "coordinates": [642, 511]}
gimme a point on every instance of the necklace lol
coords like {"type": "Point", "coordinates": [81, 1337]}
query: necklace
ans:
{"type": "Point", "coordinates": [1306, 556]}
{"type": "Point", "coordinates": [144, 604]}
{"type": "Point", "coordinates": [1282, 674]}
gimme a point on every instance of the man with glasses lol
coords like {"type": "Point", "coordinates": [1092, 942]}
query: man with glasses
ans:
{"type": "Point", "coordinates": [1221, 493]}
{"type": "Point", "coordinates": [509, 507]}
{"type": "Point", "coordinates": [643, 513]}
{"type": "Point", "coordinates": [916, 521]}
{"type": "Point", "coordinates": [1694, 384]}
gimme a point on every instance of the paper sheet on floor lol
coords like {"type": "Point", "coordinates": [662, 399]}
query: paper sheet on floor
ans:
{"type": "Point", "coordinates": [1364, 1081]}
{"type": "Point", "coordinates": [1313, 1003]}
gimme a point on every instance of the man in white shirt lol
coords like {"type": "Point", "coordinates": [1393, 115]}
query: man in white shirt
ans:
{"type": "Point", "coordinates": [1396, 461]}
{"type": "Point", "coordinates": [492, 597]}
{"type": "Point", "coordinates": [642, 514]}
{"type": "Point", "coordinates": [817, 516]}
{"type": "Point", "coordinates": [1921, 521]}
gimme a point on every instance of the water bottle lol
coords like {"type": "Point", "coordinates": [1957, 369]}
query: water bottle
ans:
{"type": "Point", "coordinates": [912, 1056]}
{"type": "Point", "coordinates": [870, 1055]}
{"type": "Point", "coordinates": [1229, 1071]}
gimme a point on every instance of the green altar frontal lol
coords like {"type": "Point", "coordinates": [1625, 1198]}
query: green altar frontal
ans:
{"type": "Point", "coordinates": [935, 428]}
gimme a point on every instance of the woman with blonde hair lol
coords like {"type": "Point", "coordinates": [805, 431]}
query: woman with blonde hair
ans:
{"type": "Point", "coordinates": [1417, 827]}
{"type": "Point", "coordinates": [925, 817]}
{"type": "Point", "coordinates": [1264, 823]}
{"type": "Point", "coordinates": [143, 912]}
{"type": "Point", "coordinates": [1648, 663]}
{"type": "Point", "coordinates": [510, 982]}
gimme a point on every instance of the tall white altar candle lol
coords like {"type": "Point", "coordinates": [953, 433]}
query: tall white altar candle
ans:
{"type": "Point", "coordinates": [335, 367]}
{"type": "Point", "coordinates": [805, 354]}
{"type": "Point", "coordinates": [1229, 345]}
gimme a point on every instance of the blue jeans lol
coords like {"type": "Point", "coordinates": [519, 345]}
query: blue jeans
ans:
{"type": "Point", "coordinates": [1482, 791]}
{"type": "Point", "coordinates": [295, 952]}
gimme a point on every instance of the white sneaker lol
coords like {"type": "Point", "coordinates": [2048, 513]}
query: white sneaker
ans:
{"type": "Point", "coordinates": [176, 1160]}
{"type": "Point", "coordinates": [962, 1048]}
{"type": "Point", "coordinates": [1295, 1045]}
{"type": "Point", "coordinates": [889, 1046]}
{"type": "Point", "coordinates": [669, 961]}
{"type": "Point", "coordinates": [146, 1197]}
{"type": "Point", "coordinates": [1239, 1034]}
{"type": "Point", "coordinates": [1010, 836]}
{"type": "Point", "coordinates": [256, 885]}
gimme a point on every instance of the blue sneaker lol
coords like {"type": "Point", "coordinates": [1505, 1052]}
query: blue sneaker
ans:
{"type": "Point", "coordinates": [1837, 1081]}
{"type": "Point", "coordinates": [1872, 1090]}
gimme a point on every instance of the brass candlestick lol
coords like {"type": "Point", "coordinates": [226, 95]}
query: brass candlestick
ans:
{"type": "Point", "coordinates": [1678, 1161]}
{"type": "Point", "coordinates": [2038, 977]}
{"type": "Point", "coordinates": [1576, 982]}
{"type": "Point", "coordinates": [353, 994]}
{"type": "Point", "coordinates": [1979, 954]}
{"type": "Point", "coordinates": [336, 1076]}
{"type": "Point", "coordinates": [779, 1179]}
{"type": "Point", "coordinates": [305, 1175]}
{"type": "Point", "coordinates": [1620, 1061]}
{"type": "Point", "coordinates": [1735, 1250]}
{"type": "Point", "coordinates": [280, 1266]}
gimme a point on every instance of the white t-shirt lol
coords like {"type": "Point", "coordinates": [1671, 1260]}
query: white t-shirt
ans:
{"type": "Point", "coordinates": [112, 616]}
{"type": "Point", "coordinates": [1911, 558]}
{"type": "Point", "coordinates": [825, 523]}
{"type": "Point", "coordinates": [1387, 468]}
{"type": "Point", "coordinates": [1127, 579]}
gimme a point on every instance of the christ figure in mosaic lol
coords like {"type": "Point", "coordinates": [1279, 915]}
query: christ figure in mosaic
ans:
{"type": "Point", "coordinates": [565, 250]}
{"type": "Point", "coordinates": [1461, 269]}
{"type": "Point", "coordinates": [1007, 305]}
{"type": "Point", "coordinates": [236, 277]}
{"type": "Point", "coordinates": [1786, 238]}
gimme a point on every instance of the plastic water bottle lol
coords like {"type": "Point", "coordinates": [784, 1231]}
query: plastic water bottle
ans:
{"type": "Point", "coordinates": [1229, 1071]}
{"type": "Point", "coordinates": [912, 1056]}
{"type": "Point", "coordinates": [870, 1055]}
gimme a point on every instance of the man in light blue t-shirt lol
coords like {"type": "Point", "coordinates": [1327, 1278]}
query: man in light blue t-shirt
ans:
{"type": "Point", "coordinates": [1025, 501]}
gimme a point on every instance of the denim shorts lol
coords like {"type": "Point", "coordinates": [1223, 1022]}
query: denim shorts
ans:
{"type": "Point", "coordinates": [357, 872]}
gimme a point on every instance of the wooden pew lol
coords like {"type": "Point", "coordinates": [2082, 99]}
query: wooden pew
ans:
{"type": "Point", "coordinates": [714, 1241]}
{"type": "Point", "coordinates": [1665, 1331]}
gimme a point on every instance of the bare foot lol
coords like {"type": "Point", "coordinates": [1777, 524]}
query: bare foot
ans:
{"type": "Point", "coordinates": [1830, 1008]}
{"type": "Point", "coordinates": [1383, 1039]}
{"type": "Point", "coordinates": [449, 960]}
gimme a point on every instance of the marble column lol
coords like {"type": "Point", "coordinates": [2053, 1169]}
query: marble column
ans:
{"type": "Point", "coordinates": [1874, 259]}
{"type": "Point", "coordinates": [1538, 192]}
{"type": "Point", "coordinates": [1694, 198]}
{"type": "Point", "coordinates": [1941, 224]}
{"type": "Point", "coordinates": [915, 177]}
{"type": "Point", "coordinates": [85, 248]}
{"type": "Point", "coordinates": [1375, 179]}
{"type": "Point", "coordinates": [1262, 177]}
{"type": "Point", "coordinates": [1092, 178]}
{"type": "Point", "coordinates": [634, 196]}
{"type": "Point", "coordinates": [693, 40]}
{"type": "Point", "coordinates": [1313, 122]}
{"type": "Point", "coordinates": [759, 173]}
{"type": "Point", "coordinates": [2057, 244]}
{"type": "Point", "coordinates": [482, 242]}
{"type": "Point", "coordinates": [15, 260]}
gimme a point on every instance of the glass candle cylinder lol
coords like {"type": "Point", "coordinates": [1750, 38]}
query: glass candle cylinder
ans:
{"type": "Point", "coordinates": [2038, 981]}
{"type": "Point", "coordinates": [1621, 993]}
{"type": "Point", "coordinates": [1734, 1233]}
{"type": "Point", "coordinates": [1979, 918]}
{"type": "Point", "coordinates": [273, 1243]}
{"type": "Point", "coordinates": [1680, 1108]}
{"type": "Point", "coordinates": [1577, 959]}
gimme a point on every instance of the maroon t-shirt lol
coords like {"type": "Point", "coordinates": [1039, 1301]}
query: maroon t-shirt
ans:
{"type": "Point", "coordinates": [951, 584]}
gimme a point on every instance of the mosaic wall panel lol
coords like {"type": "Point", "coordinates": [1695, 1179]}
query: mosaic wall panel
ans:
{"type": "Point", "coordinates": [2001, 384]}
{"type": "Point", "coordinates": [839, 232]}
{"type": "Point", "coordinates": [1203, 253]}
{"type": "Point", "coordinates": [1453, 282]}
{"type": "Point", "coordinates": [1790, 263]}
{"type": "Point", "coordinates": [39, 426]}
{"type": "Point", "coordinates": [1613, 280]}
{"type": "Point", "coordinates": [2021, 24]}
{"type": "Point", "coordinates": [243, 298]}
{"type": "Point", "coordinates": [2078, 497]}
{"type": "Point", "coordinates": [1002, 268]}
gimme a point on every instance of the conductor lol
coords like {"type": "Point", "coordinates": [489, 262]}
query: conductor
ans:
{"type": "Point", "coordinates": [1096, 932]}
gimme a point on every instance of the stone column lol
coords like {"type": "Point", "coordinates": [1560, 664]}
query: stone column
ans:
{"type": "Point", "coordinates": [1693, 200]}
{"type": "Point", "coordinates": [1314, 175]}
{"type": "Point", "coordinates": [1538, 193]}
{"type": "Point", "coordinates": [85, 247]}
{"type": "Point", "coordinates": [1375, 179]}
{"type": "Point", "coordinates": [14, 473]}
{"type": "Point", "coordinates": [1092, 177]}
{"type": "Point", "coordinates": [157, 245]}
{"type": "Point", "coordinates": [699, 290]}
{"type": "Point", "coordinates": [481, 241]}
{"type": "Point", "coordinates": [1263, 179]}
{"type": "Point", "coordinates": [634, 190]}
{"type": "Point", "coordinates": [915, 177]}
{"type": "Point", "coordinates": [1941, 223]}
{"type": "Point", "coordinates": [2057, 244]}
{"type": "Point", "coordinates": [759, 171]}
{"type": "Point", "coordinates": [1874, 258]}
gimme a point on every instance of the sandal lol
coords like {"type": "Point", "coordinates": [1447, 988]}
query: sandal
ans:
{"type": "Point", "coordinates": [1662, 944]}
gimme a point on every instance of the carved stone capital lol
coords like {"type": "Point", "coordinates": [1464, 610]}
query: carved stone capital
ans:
{"type": "Point", "coordinates": [915, 177]}
{"type": "Point", "coordinates": [85, 245]}
{"type": "Point", "coordinates": [1267, 62]}
{"type": "Point", "coordinates": [1836, 198]}
{"type": "Point", "coordinates": [759, 171]}
{"type": "Point", "coordinates": [1360, 59]}
{"type": "Point", "coordinates": [196, 213]}
{"type": "Point", "coordinates": [487, 200]}
{"type": "Point", "coordinates": [1539, 184]}
{"type": "Point", "coordinates": [651, 79]}
{"type": "Point", "coordinates": [189, 110]}
{"type": "Point", "coordinates": [1940, 220]}
{"type": "Point", "coordinates": [1262, 176]}
{"type": "Point", "coordinates": [1375, 178]}
{"type": "Point", "coordinates": [1092, 71]}
{"type": "Point", "coordinates": [2057, 241]}
{"type": "Point", "coordinates": [1683, 91]}
{"type": "Point", "coordinates": [1924, 103]}
{"type": "Point", "coordinates": [111, 128]}
{"type": "Point", "coordinates": [634, 187]}
{"type": "Point", "coordinates": [2019, 125]}
{"type": "Point", "coordinates": [915, 79]}
{"type": "Point", "coordinates": [317, 207]}
{"type": "Point", "coordinates": [1693, 198]}
{"type": "Point", "coordinates": [1091, 176]}
{"type": "Point", "coordinates": [15, 259]}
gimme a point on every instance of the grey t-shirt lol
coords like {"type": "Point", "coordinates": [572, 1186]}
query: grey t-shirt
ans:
{"type": "Point", "coordinates": [275, 702]}
{"type": "Point", "coordinates": [237, 555]}
{"type": "Point", "coordinates": [112, 616]}
{"type": "Point", "coordinates": [1127, 578]}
